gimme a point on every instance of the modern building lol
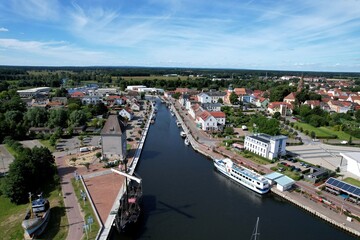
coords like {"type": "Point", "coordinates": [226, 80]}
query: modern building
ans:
{"type": "Point", "coordinates": [282, 182]}
{"type": "Point", "coordinates": [113, 139]}
{"type": "Point", "coordinates": [265, 145]}
{"type": "Point", "coordinates": [353, 162]}
{"type": "Point", "coordinates": [33, 91]}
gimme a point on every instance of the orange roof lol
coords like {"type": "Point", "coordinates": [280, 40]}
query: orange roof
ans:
{"type": "Point", "coordinates": [291, 96]}
{"type": "Point", "coordinates": [218, 114]}
{"type": "Point", "coordinates": [240, 91]}
{"type": "Point", "coordinates": [113, 97]}
{"type": "Point", "coordinates": [273, 105]}
{"type": "Point", "coordinates": [77, 94]}
{"type": "Point", "coordinates": [205, 115]}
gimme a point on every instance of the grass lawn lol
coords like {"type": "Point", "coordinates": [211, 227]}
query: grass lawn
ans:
{"type": "Point", "coordinates": [324, 132]}
{"type": "Point", "coordinates": [12, 215]}
{"type": "Point", "coordinates": [352, 181]}
{"type": "Point", "coordinates": [152, 77]}
{"type": "Point", "coordinates": [46, 143]}
{"type": "Point", "coordinates": [86, 209]}
{"type": "Point", "coordinates": [11, 150]}
{"type": "Point", "coordinates": [255, 158]}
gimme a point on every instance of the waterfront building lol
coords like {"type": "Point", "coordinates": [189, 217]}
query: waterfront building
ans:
{"type": "Point", "coordinates": [113, 139]}
{"type": "Point", "coordinates": [283, 183]}
{"type": "Point", "coordinates": [265, 145]}
{"type": "Point", "coordinates": [206, 121]}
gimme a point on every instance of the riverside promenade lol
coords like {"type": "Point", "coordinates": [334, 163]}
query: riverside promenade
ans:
{"type": "Point", "coordinates": [211, 148]}
{"type": "Point", "coordinates": [103, 189]}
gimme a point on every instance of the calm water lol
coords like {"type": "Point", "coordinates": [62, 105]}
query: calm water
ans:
{"type": "Point", "coordinates": [185, 198]}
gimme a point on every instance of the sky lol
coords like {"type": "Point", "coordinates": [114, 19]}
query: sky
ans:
{"type": "Point", "coordinates": [306, 35]}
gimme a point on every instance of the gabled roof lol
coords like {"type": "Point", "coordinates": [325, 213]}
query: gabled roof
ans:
{"type": "Point", "coordinates": [240, 91]}
{"type": "Point", "coordinates": [273, 105]}
{"type": "Point", "coordinates": [291, 96]}
{"type": "Point", "coordinates": [205, 115]}
{"type": "Point", "coordinates": [113, 126]}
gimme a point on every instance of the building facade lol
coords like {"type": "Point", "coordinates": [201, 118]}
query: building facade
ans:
{"type": "Point", "coordinates": [113, 139]}
{"type": "Point", "coordinates": [265, 145]}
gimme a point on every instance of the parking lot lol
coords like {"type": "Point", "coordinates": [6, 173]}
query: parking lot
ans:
{"type": "Point", "coordinates": [324, 155]}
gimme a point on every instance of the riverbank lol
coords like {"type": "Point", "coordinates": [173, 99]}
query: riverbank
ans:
{"type": "Point", "coordinates": [216, 151]}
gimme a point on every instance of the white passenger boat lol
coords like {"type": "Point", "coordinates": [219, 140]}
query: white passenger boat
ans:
{"type": "Point", "coordinates": [242, 175]}
{"type": "Point", "coordinates": [186, 141]}
{"type": "Point", "coordinates": [178, 123]}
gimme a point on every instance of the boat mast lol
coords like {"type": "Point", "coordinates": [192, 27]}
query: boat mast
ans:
{"type": "Point", "coordinates": [256, 233]}
{"type": "Point", "coordinates": [31, 210]}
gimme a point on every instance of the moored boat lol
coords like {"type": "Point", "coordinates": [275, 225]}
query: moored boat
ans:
{"type": "Point", "coordinates": [182, 134]}
{"type": "Point", "coordinates": [186, 141]}
{"type": "Point", "coordinates": [242, 175]}
{"type": "Point", "coordinates": [36, 218]}
{"type": "Point", "coordinates": [129, 209]}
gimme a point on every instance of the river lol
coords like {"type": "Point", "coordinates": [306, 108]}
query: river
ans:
{"type": "Point", "coordinates": [185, 198]}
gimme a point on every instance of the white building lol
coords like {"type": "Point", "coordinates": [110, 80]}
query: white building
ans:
{"type": "Point", "coordinates": [127, 113]}
{"type": "Point", "coordinates": [282, 182]}
{"type": "Point", "coordinates": [136, 88]}
{"type": "Point", "coordinates": [265, 145]}
{"type": "Point", "coordinates": [33, 91]}
{"type": "Point", "coordinates": [353, 162]}
{"type": "Point", "coordinates": [211, 97]}
{"type": "Point", "coordinates": [106, 91]}
{"type": "Point", "coordinates": [206, 121]}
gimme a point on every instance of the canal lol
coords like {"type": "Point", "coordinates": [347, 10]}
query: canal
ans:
{"type": "Point", "coordinates": [185, 198]}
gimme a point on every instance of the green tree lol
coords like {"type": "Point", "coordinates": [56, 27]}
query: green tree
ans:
{"type": "Point", "coordinates": [58, 118]}
{"type": "Point", "coordinates": [220, 101]}
{"type": "Point", "coordinates": [277, 115]}
{"type": "Point", "coordinates": [229, 131]}
{"type": "Point", "coordinates": [31, 171]}
{"type": "Point", "coordinates": [61, 92]}
{"type": "Point", "coordinates": [313, 135]}
{"type": "Point", "coordinates": [357, 115]}
{"type": "Point", "coordinates": [77, 118]}
{"type": "Point", "coordinates": [36, 117]}
{"type": "Point", "coordinates": [234, 99]}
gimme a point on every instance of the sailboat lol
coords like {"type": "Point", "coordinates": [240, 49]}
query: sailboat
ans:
{"type": "Point", "coordinates": [129, 209]}
{"type": "Point", "coordinates": [256, 234]}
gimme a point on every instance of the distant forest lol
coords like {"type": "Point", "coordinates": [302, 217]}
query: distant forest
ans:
{"type": "Point", "coordinates": [17, 77]}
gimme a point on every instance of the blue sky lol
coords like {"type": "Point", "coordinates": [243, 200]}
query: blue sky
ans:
{"type": "Point", "coordinates": [304, 35]}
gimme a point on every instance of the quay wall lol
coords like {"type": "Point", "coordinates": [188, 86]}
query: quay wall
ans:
{"type": "Point", "coordinates": [106, 230]}
{"type": "Point", "coordinates": [315, 212]}
{"type": "Point", "coordinates": [197, 146]}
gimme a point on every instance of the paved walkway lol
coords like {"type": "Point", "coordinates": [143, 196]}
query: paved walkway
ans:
{"type": "Point", "coordinates": [73, 213]}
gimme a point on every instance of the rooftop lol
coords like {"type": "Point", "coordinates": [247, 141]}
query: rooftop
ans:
{"type": "Point", "coordinates": [113, 126]}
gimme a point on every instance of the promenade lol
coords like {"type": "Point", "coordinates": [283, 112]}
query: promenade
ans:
{"type": "Point", "coordinates": [211, 148]}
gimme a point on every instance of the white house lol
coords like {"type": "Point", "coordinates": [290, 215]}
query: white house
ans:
{"type": "Point", "coordinates": [206, 121]}
{"type": "Point", "coordinates": [33, 91]}
{"type": "Point", "coordinates": [265, 145]}
{"type": "Point", "coordinates": [211, 97]}
{"type": "Point", "coordinates": [135, 106]}
{"type": "Point", "coordinates": [135, 87]}
{"type": "Point", "coordinates": [106, 91]}
{"type": "Point", "coordinates": [126, 113]}
{"type": "Point", "coordinates": [219, 116]}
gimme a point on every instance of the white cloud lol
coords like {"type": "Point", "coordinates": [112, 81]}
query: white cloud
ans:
{"type": "Point", "coordinates": [2, 29]}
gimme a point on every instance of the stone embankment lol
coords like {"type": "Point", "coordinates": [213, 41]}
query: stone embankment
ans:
{"type": "Point", "coordinates": [293, 197]}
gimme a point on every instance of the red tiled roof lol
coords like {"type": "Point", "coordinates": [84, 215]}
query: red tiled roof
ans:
{"type": "Point", "coordinates": [218, 114]}
{"type": "Point", "coordinates": [273, 105]}
{"type": "Point", "coordinates": [291, 96]}
{"type": "Point", "coordinates": [77, 94]}
{"type": "Point", "coordinates": [205, 115]}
